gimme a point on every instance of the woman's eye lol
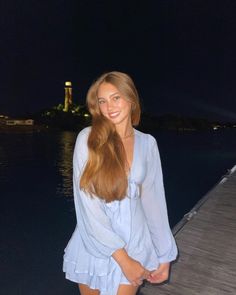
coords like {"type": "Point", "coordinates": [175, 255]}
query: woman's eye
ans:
{"type": "Point", "coordinates": [116, 97]}
{"type": "Point", "coordinates": [100, 101]}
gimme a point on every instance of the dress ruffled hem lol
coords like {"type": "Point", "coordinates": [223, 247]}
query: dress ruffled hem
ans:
{"type": "Point", "coordinates": [107, 284]}
{"type": "Point", "coordinates": [81, 267]}
{"type": "Point", "coordinates": [90, 279]}
{"type": "Point", "coordinates": [103, 273]}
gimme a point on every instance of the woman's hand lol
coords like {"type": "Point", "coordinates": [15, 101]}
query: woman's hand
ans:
{"type": "Point", "coordinates": [132, 269]}
{"type": "Point", "coordinates": [134, 272]}
{"type": "Point", "coordinates": [160, 275]}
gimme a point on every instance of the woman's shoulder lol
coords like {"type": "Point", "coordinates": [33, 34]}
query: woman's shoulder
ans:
{"type": "Point", "coordinates": [146, 137]}
{"type": "Point", "coordinates": [83, 134]}
{"type": "Point", "coordinates": [82, 138]}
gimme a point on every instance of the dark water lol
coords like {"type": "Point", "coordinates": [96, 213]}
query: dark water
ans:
{"type": "Point", "coordinates": [37, 215]}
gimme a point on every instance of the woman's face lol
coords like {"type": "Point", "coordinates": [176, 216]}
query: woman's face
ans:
{"type": "Point", "coordinates": [113, 105]}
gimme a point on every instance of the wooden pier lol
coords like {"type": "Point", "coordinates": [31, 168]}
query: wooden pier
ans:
{"type": "Point", "coordinates": [206, 239]}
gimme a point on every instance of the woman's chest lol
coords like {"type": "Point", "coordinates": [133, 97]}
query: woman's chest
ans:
{"type": "Point", "coordinates": [139, 167]}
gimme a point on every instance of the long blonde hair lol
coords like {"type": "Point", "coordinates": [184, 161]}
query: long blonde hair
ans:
{"type": "Point", "coordinates": [104, 174]}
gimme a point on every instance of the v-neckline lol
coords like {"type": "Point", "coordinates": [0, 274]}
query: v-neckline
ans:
{"type": "Point", "coordinates": [134, 156]}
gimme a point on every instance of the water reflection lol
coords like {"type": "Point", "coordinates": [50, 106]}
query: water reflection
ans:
{"type": "Point", "coordinates": [3, 165]}
{"type": "Point", "coordinates": [64, 162]}
{"type": "Point", "coordinates": [15, 152]}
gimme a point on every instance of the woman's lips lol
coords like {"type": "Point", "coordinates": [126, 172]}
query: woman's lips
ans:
{"type": "Point", "coordinates": [113, 115]}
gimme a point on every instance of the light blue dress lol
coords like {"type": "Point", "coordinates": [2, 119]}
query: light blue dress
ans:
{"type": "Point", "coordinates": [138, 223]}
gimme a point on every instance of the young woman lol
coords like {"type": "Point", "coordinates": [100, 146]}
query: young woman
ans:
{"type": "Point", "coordinates": [122, 235]}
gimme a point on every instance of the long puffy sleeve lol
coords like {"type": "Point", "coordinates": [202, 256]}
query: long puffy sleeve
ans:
{"type": "Point", "coordinates": [94, 225]}
{"type": "Point", "coordinates": [154, 205]}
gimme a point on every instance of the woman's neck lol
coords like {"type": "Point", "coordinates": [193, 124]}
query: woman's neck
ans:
{"type": "Point", "coordinates": [128, 135]}
{"type": "Point", "coordinates": [125, 131]}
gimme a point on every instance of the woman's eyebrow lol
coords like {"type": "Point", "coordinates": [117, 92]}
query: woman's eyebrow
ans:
{"type": "Point", "coordinates": [114, 93]}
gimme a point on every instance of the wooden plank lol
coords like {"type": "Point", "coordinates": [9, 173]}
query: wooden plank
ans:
{"type": "Point", "coordinates": [207, 247]}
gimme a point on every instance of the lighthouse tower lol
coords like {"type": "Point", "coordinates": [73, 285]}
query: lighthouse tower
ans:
{"type": "Point", "coordinates": [68, 96]}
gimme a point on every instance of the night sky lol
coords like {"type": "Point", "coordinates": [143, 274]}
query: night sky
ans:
{"type": "Point", "coordinates": [181, 54]}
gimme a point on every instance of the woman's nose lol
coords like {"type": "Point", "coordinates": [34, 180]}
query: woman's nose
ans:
{"type": "Point", "coordinates": [110, 105]}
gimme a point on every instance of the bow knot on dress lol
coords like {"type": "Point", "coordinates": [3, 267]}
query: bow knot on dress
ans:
{"type": "Point", "coordinates": [133, 191]}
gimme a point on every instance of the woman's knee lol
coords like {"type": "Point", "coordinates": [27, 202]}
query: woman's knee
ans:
{"type": "Point", "coordinates": [122, 290]}
{"type": "Point", "coordinates": [127, 290]}
{"type": "Point", "coordinates": [85, 290]}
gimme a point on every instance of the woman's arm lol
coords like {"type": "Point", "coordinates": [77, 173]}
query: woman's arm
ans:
{"type": "Point", "coordinates": [154, 205]}
{"type": "Point", "coordinates": [132, 269]}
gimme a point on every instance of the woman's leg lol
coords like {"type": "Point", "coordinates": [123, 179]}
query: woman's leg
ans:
{"type": "Point", "coordinates": [127, 290]}
{"type": "Point", "coordinates": [85, 290]}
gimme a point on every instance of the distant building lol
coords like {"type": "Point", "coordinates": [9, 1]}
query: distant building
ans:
{"type": "Point", "coordinates": [3, 119]}
{"type": "Point", "coordinates": [19, 122]}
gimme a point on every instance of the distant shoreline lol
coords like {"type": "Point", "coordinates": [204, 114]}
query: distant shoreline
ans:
{"type": "Point", "coordinates": [22, 129]}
